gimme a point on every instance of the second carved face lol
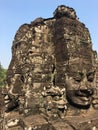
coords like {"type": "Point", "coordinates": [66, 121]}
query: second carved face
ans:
{"type": "Point", "coordinates": [80, 85]}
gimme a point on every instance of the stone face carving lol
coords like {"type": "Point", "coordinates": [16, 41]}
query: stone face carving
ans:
{"type": "Point", "coordinates": [51, 82]}
{"type": "Point", "coordinates": [80, 84]}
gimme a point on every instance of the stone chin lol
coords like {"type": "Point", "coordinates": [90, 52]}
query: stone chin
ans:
{"type": "Point", "coordinates": [81, 102]}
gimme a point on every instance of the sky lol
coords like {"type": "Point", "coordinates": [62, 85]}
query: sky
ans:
{"type": "Point", "coordinates": [14, 13]}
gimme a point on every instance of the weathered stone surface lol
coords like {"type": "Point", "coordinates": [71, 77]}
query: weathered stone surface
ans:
{"type": "Point", "coordinates": [1, 110]}
{"type": "Point", "coordinates": [52, 80]}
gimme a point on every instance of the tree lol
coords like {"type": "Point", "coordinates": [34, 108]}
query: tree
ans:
{"type": "Point", "coordinates": [2, 75]}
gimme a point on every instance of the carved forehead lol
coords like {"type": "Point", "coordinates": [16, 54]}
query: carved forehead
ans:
{"type": "Point", "coordinates": [80, 66]}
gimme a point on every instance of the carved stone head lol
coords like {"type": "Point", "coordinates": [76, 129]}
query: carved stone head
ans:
{"type": "Point", "coordinates": [80, 83]}
{"type": "Point", "coordinates": [52, 73]}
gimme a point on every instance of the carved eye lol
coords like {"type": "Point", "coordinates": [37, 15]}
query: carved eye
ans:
{"type": "Point", "coordinates": [90, 76]}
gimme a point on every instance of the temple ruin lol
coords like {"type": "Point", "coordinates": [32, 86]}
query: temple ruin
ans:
{"type": "Point", "coordinates": [52, 79]}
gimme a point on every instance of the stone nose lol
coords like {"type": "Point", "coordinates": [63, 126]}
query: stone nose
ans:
{"type": "Point", "coordinates": [84, 84]}
{"type": "Point", "coordinates": [85, 88]}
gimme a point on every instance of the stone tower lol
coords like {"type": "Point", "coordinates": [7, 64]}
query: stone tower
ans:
{"type": "Point", "coordinates": [51, 82]}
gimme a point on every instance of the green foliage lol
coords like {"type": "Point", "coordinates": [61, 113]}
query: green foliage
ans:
{"type": "Point", "coordinates": [2, 75]}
